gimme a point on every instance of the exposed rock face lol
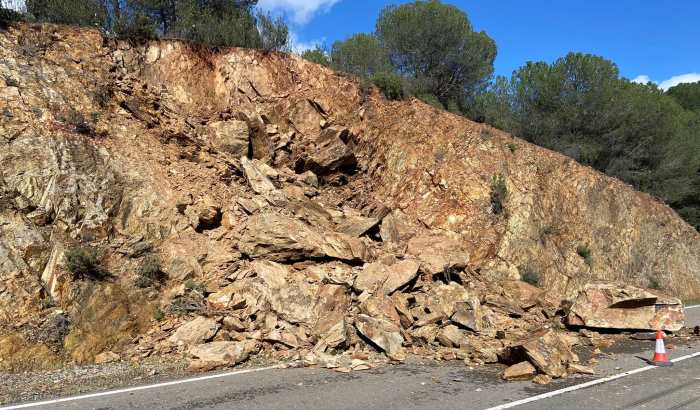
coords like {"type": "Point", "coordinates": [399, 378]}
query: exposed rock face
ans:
{"type": "Point", "coordinates": [625, 307]}
{"type": "Point", "coordinates": [290, 212]}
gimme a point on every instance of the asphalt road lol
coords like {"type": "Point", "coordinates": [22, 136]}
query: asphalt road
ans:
{"type": "Point", "coordinates": [420, 386]}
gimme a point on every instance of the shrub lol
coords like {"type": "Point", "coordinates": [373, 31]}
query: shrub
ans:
{"type": "Point", "coordinates": [499, 194]}
{"type": "Point", "coordinates": [8, 16]}
{"type": "Point", "coordinates": [274, 33]}
{"type": "Point", "coordinates": [158, 314]}
{"type": "Point", "coordinates": [512, 147]}
{"type": "Point", "coordinates": [83, 263]}
{"type": "Point", "coordinates": [77, 120]}
{"type": "Point", "coordinates": [391, 85]}
{"type": "Point", "coordinates": [11, 82]}
{"type": "Point", "coordinates": [585, 252]}
{"type": "Point", "coordinates": [150, 273]}
{"type": "Point", "coordinates": [653, 282]}
{"type": "Point", "coordinates": [531, 276]}
{"type": "Point", "coordinates": [139, 28]}
{"type": "Point", "coordinates": [432, 100]}
{"type": "Point", "coordinates": [77, 12]}
{"type": "Point", "coordinates": [318, 55]}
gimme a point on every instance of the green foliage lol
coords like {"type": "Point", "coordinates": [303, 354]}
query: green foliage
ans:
{"type": "Point", "coordinates": [434, 44]}
{"type": "Point", "coordinates": [653, 282]}
{"type": "Point", "coordinates": [361, 55]}
{"type": "Point", "coordinates": [499, 194]}
{"type": "Point", "coordinates": [274, 33]}
{"type": "Point", "coordinates": [317, 55]}
{"type": "Point", "coordinates": [390, 84]}
{"type": "Point", "coordinates": [687, 95]}
{"type": "Point", "coordinates": [218, 24]}
{"type": "Point", "coordinates": [139, 28]}
{"type": "Point", "coordinates": [8, 16]}
{"type": "Point", "coordinates": [77, 12]}
{"type": "Point", "coordinates": [83, 263]}
{"type": "Point", "coordinates": [512, 147]}
{"type": "Point", "coordinates": [585, 252]}
{"type": "Point", "coordinates": [77, 120]}
{"type": "Point", "coordinates": [158, 314]}
{"type": "Point", "coordinates": [431, 100]}
{"type": "Point", "coordinates": [150, 273]}
{"type": "Point", "coordinates": [11, 82]}
{"type": "Point", "coordinates": [531, 276]}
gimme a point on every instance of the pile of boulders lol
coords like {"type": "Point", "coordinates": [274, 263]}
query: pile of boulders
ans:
{"type": "Point", "coordinates": [315, 287]}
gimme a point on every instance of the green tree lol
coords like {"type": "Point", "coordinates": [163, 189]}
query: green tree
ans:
{"type": "Point", "coordinates": [274, 33]}
{"type": "Point", "coordinates": [687, 95]}
{"type": "Point", "coordinates": [361, 54]}
{"type": "Point", "coordinates": [77, 12]}
{"type": "Point", "coordinates": [317, 55]}
{"type": "Point", "coordinates": [581, 107]}
{"type": "Point", "coordinates": [434, 44]}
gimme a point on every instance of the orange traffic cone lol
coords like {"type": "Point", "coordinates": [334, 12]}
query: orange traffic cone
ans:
{"type": "Point", "coordinates": [660, 357]}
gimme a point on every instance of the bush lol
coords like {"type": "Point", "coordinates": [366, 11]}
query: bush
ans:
{"type": "Point", "coordinates": [83, 263]}
{"type": "Point", "coordinates": [78, 12]}
{"type": "Point", "coordinates": [499, 194]}
{"type": "Point", "coordinates": [139, 29]}
{"type": "Point", "coordinates": [11, 82]}
{"type": "Point", "coordinates": [158, 314]}
{"type": "Point", "coordinates": [512, 147]}
{"type": "Point", "coordinates": [150, 273]}
{"type": "Point", "coordinates": [532, 277]}
{"type": "Point", "coordinates": [653, 282]}
{"type": "Point", "coordinates": [391, 85]}
{"type": "Point", "coordinates": [431, 100]}
{"type": "Point", "coordinates": [318, 55]}
{"type": "Point", "coordinates": [585, 252]}
{"type": "Point", "coordinates": [8, 16]}
{"type": "Point", "coordinates": [77, 120]}
{"type": "Point", "coordinates": [274, 34]}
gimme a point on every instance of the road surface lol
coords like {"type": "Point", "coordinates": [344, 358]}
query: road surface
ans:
{"type": "Point", "coordinates": [420, 386]}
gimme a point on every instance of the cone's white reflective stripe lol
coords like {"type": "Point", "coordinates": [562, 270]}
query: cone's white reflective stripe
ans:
{"type": "Point", "coordinates": [660, 346]}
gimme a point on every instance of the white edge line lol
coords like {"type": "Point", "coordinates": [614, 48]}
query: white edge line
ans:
{"type": "Point", "coordinates": [137, 388]}
{"type": "Point", "coordinates": [584, 385]}
{"type": "Point", "coordinates": [692, 307]}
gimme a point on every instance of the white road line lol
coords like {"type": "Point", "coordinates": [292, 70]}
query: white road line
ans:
{"type": "Point", "coordinates": [137, 388]}
{"type": "Point", "coordinates": [585, 385]}
{"type": "Point", "coordinates": [692, 307]}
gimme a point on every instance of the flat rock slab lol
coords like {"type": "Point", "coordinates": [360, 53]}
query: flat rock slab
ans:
{"type": "Point", "coordinates": [614, 306]}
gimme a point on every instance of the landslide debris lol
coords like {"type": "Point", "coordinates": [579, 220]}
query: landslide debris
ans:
{"type": "Point", "coordinates": [297, 219]}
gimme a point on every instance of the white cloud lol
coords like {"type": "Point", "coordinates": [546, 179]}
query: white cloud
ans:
{"type": "Point", "coordinates": [301, 11]}
{"type": "Point", "coordinates": [683, 78]}
{"type": "Point", "coordinates": [641, 79]}
{"type": "Point", "coordinates": [673, 81]}
{"type": "Point", "coordinates": [298, 46]}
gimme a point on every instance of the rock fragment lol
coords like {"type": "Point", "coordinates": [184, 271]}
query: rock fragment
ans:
{"type": "Point", "coordinates": [196, 331]}
{"type": "Point", "coordinates": [520, 371]}
{"type": "Point", "coordinates": [384, 334]}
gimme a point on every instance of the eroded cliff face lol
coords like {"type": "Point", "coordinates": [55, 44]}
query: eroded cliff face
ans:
{"type": "Point", "coordinates": [278, 194]}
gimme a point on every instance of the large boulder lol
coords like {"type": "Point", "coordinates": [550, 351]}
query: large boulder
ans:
{"type": "Point", "coordinates": [280, 238]}
{"type": "Point", "coordinates": [384, 334]}
{"type": "Point", "coordinates": [549, 351]}
{"type": "Point", "coordinates": [219, 354]}
{"type": "Point", "coordinates": [379, 278]}
{"type": "Point", "coordinates": [614, 306]}
{"type": "Point", "coordinates": [196, 331]}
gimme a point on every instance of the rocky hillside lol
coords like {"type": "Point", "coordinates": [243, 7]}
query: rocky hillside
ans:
{"type": "Point", "coordinates": [291, 209]}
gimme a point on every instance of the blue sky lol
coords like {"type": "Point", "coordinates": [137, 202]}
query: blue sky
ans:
{"type": "Point", "coordinates": [656, 40]}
